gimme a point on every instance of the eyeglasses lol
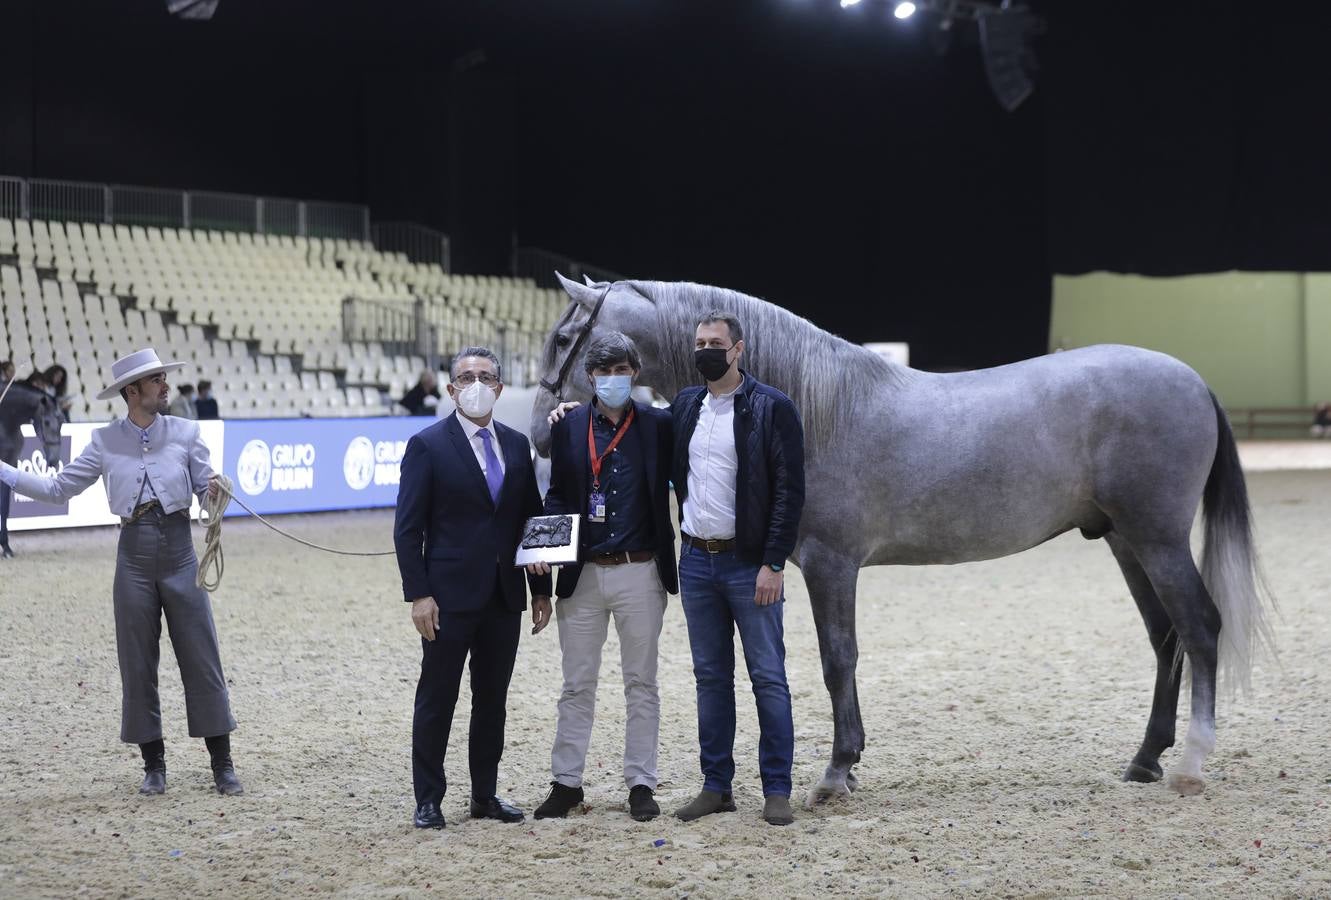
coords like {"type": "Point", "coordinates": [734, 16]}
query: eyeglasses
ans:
{"type": "Point", "coordinates": [469, 378]}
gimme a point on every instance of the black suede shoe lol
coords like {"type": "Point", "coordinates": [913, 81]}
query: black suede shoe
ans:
{"type": "Point", "coordinates": [428, 816]}
{"type": "Point", "coordinates": [154, 782]}
{"type": "Point", "coordinates": [642, 806]}
{"type": "Point", "coordinates": [497, 809]}
{"type": "Point", "coordinates": [562, 799]}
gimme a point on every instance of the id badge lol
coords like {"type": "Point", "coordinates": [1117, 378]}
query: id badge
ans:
{"type": "Point", "coordinates": [596, 506]}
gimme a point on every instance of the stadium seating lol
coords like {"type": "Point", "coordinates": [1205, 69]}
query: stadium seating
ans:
{"type": "Point", "coordinates": [258, 315]}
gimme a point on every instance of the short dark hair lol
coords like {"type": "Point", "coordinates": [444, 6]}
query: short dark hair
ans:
{"type": "Point", "coordinates": [6, 364]}
{"type": "Point", "coordinates": [483, 353]}
{"type": "Point", "coordinates": [205, 385]}
{"type": "Point", "coordinates": [186, 389]}
{"type": "Point", "coordinates": [716, 315]}
{"type": "Point", "coordinates": [609, 350]}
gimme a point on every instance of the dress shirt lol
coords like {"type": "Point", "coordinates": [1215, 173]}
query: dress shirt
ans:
{"type": "Point", "coordinates": [709, 509]}
{"type": "Point", "coordinates": [628, 522]}
{"type": "Point", "coordinates": [174, 461]}
{"type": "Point", "coordinates": [471, 429]}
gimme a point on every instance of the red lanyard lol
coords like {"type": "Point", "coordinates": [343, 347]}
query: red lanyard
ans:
{"type": "Point", "coordinates": [591, 444]}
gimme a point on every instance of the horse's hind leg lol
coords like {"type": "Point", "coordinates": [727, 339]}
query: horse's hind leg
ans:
{"type": "Point", "coordinates": [1145, 766]}
{"type": "Point", "coordinates": [831, 581]}
{"type": "Point", "coordinates": [1179, 586]}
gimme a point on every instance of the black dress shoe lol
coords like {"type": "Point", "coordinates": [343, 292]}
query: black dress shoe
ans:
{"type": "Point", "coordinates": [497, 809]}
{"type": "Point", "coordinates": [428, 816]}
{"type": "Point", "coordinates": [562, 799]}
{"type": "Point", "coordinates": [154, 782]}
{"type": "Point", "coordinates": [228, 784]}
{"type": "Point", "coordinates": [642, 806]}
{"type": "Point", "coordinates": [6, 552]}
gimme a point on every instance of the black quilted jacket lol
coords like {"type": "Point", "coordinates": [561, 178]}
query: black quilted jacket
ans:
{"type": "Point", "coordinates": [769, 492]}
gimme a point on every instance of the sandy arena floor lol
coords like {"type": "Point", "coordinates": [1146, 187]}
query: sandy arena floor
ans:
{"type": "Point", "coordinates": [1001, 701]}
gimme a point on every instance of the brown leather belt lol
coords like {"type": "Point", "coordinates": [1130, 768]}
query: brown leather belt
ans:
{"type": "Point", "coordinates": [720, 546]}
{"type": "Point", "coordinates": [618, 559]}
{"type": "Point", "coordinates": [140, 511]}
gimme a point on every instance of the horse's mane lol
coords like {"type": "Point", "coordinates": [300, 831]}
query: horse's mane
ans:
{"type": "Point", "coordinates": [829, 379]}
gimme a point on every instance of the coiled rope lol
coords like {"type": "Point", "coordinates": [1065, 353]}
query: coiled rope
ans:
{"type": "Point", "coordinates": [213, 564]}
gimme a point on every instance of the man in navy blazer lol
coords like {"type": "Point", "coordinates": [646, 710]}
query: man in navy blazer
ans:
{"type": "Point", "coordinates": [467, 488]}
{"type": "Point", "coordinates": [610, 461]}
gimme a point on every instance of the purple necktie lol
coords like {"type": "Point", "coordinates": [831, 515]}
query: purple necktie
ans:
{"type": "Point", "coordinates": [494, 476]}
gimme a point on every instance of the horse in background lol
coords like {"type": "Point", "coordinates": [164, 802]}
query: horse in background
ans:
{"type": "Point", "coordinates": [21, 404]}
{"type": "Point", "coordinates": [1119, 442]}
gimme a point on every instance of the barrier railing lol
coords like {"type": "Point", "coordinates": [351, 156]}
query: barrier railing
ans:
{"type": "Point", "coordinates": [1271, 422]}
{"type": "Point", "coordinates": [541, 265]}
{"type": "Point", "coordinates": [118, 204]}
{"type": "Point", "coordinates": [420, 244]}
{"type": "Point", "coordinates": [400, 327]}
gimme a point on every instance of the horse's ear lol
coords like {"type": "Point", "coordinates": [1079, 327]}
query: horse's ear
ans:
{"type": "Point", "coordinates": [581, 293]}
{"type": "Point", "coordinates": [588, 279]}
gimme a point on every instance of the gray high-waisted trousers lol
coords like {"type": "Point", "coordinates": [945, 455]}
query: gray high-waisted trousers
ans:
{"type": "Point", "coordinates": [155, 572]}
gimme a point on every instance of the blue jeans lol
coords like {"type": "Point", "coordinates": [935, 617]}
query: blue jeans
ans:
{"type": "Point", "coordinates": [717, 594]}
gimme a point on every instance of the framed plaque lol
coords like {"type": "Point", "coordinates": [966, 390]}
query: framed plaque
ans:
{"type": "Point", "coordinates": [549, 539]}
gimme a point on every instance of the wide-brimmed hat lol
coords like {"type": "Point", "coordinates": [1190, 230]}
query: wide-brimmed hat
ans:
{"type": "Point", "coordinates": [129, 369]}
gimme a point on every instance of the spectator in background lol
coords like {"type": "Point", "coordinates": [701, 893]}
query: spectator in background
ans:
{"type": "Point", "coordinates": [1322, 421]}
{"type": "Point", "coordinates": [57, 386]}
{"type": "Point", "coordinates": [183, 406]}
{"type": "Point", "coordinates": [204, 405]}
{"type": "Point", "coordinates": [423, 399]}
{"type": "Point", "coordinates": [6, 373]}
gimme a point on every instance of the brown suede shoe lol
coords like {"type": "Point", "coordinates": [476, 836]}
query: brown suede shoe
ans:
{"type": "Point", "coordinates": [777, 811]}
{"type": "Point", "coordinates": [706, 803]}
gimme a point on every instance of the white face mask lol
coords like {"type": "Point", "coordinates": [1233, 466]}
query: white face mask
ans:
{"type": "Point", "coordinates": [476, 400]}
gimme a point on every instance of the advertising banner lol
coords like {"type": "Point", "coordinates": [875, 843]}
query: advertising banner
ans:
{"type": "Point", "coordinates": [33, 460]}
{"type": "Point", "coordinates": [307, 465]}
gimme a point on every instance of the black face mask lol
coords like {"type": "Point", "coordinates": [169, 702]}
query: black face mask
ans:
{"type": "Point", "coordinates": [712, 362]}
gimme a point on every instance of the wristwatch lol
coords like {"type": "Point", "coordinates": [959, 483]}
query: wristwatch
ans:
{"type": "Point", "coordinates": [776, 567]}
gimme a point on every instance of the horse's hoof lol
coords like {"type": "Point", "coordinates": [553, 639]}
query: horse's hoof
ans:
{"type": "Point", "coordinates": [852, 782]}
{"type": "Point", "coordinates": [1143, 774]}
{"type": "Point", "coordinates": [1185, 785]}
{"type": "Point", "coordinates": [824, 791]}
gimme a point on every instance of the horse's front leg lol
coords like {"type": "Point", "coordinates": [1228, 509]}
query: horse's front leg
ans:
{"type": "Point", "coordinates": [831, 579]}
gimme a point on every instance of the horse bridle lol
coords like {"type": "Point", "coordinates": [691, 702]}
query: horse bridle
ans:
{"type": "Point", "coordinates": [555, 386]}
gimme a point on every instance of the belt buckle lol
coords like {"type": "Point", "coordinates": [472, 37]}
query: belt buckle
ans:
{"type": "Point", "coordinates": [710, 542]}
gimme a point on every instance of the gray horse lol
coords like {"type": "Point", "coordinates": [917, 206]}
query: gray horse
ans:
{"type": "Point", "coordinates": [1119, 442]}
{"type": "Point", "coordinates": [20, 404]}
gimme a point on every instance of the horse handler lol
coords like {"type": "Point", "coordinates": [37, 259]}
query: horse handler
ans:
{"type": "Point", "coordinates": [152, 463]}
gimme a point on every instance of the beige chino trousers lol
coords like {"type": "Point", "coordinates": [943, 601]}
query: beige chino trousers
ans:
{"type": "Point", "coordinates": [633, 594]}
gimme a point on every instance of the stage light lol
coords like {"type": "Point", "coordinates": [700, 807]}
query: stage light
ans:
{"type": "Point", "coordinates": [904, 10]}
{"type": "Point", "coordinates": [845, 3]}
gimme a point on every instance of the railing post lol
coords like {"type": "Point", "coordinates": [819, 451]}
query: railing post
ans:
{"type": "Point", "coordinates": [258, 215]}
{"type": "Point", "coordinates": [365, 224]}
{"type": "Point", "coordinates": [24, 200]}
{"type": "Point", "coordinates": [300, 220]}
{"type": "Point", "coordinates": [184, 209]}
{"type": "Point", "coordinates": [107, 212]}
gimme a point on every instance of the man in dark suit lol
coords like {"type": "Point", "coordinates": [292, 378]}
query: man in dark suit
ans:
{"type": "Point", "coordinates": [467, 488]}
{"type": "Point", "coordinates": [610, 461]}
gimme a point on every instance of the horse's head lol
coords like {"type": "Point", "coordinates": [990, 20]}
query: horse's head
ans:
{"type": "Point", "coordinates": [596, 308]}
{"type": "Point", "coordinates": [46, 423]}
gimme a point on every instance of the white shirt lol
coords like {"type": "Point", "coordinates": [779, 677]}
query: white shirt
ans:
{"type": "Point", "coordinates": [709, 510]}
{"type": "Point", "coordinates": [471, 430]}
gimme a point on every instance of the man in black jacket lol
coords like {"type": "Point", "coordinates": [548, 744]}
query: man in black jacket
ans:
{"type": "Point", "coordinates": [610, 462]}
{"type": "Point", "coordinates": [467, 489]}
{"type": "Point", "coordinates": [739, 477]}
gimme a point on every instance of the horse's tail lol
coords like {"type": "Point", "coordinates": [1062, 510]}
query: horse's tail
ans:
{"type": "Point", "coordinates": [1229, 563]}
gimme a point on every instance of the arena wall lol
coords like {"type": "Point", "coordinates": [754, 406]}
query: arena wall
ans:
{"type": "Point", "coordinates": [1258, 338]}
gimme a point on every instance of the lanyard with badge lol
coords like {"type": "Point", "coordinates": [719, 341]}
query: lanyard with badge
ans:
{"type": "Point", "coordinates": [596, 501]}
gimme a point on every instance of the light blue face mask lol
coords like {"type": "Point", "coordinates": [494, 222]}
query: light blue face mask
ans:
{"type": "Point", "coordinates": [614, 390]}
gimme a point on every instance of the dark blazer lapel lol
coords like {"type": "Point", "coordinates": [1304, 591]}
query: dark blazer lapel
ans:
{"type": "Point", "coordinates": [513, 445]}
{"type": "Point", "coordinates": [646, 423]}
{"type": "Point", "coordinates": [458, 437]}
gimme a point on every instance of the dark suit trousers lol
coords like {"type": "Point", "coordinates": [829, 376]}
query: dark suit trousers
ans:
{"type": "Point", "coordinates": [490, 636]}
